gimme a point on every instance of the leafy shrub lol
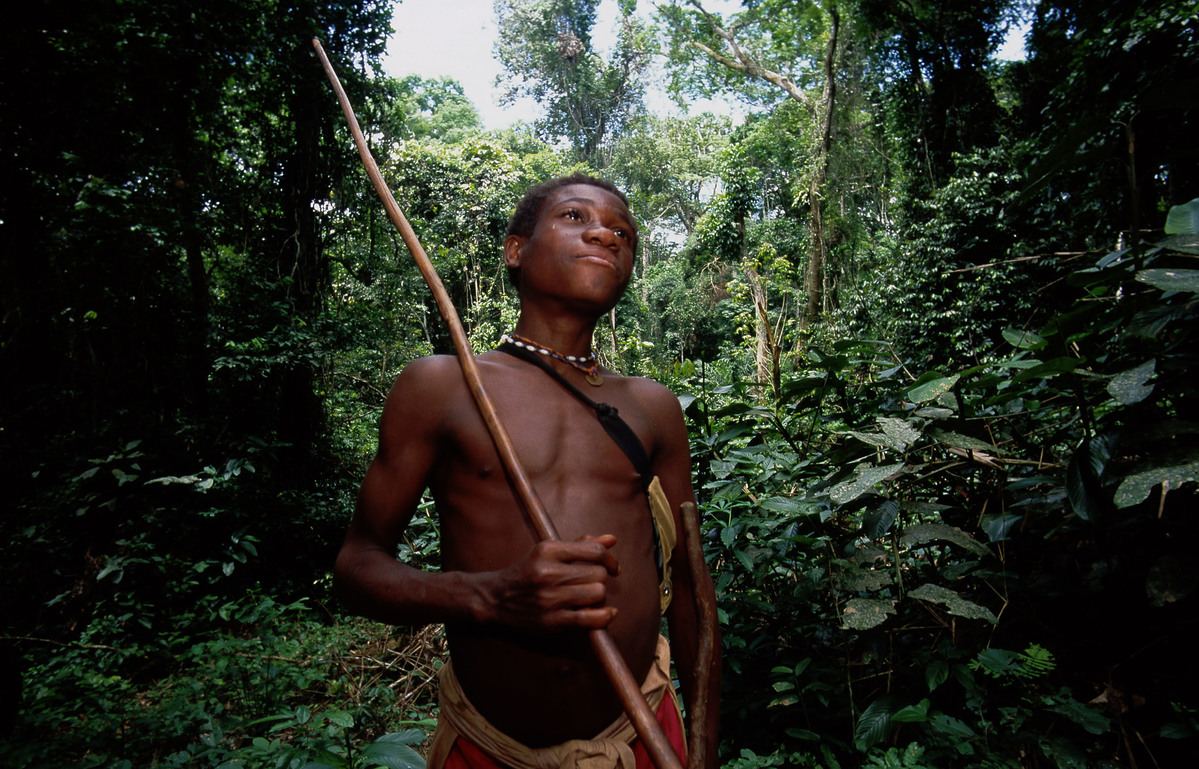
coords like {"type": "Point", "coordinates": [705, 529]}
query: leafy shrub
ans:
{"type": "Point", "coordinates": [242, 683]}
{"type": "Point", "coordinates": [878, 535]}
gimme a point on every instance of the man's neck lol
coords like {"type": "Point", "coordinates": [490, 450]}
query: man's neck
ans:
{"type": "Point", "coordinates": [569, 336]}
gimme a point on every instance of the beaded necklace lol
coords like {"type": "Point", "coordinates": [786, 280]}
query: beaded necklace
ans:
{"type": "Point", "coordinates": [585, 363]}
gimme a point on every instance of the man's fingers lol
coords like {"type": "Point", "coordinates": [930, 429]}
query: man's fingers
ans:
{"type": "Point", "coordinates": [607, 540]}
{"type": "Point", "coordinates": [605, 556]}
{"type": "Point", "coordinates": [591, 618]}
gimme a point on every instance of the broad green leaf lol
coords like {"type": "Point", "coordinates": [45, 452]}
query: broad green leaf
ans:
{"type": "Point", "coordinates": [899, 430]}
{"type": "Point", "coordinates": [955, 729]}
{"type": "Point", "coordinates": [113, 564]}
{"type": "Point", "coordinates": [855, 580]}
{"type": "Point", "coordinates": [998, 526]}
{"type": "Point", "coordinates": [1183, 219]}
{"type": "Point", "coordinates": [923, 533]}
{"type": "Point", "coordinates": [875, 722]}
{"type": "Point", "coordinates": [953, 602]}
{"type": "Point", "coordinates": [998, 662]}
{"type": "Point", "coordinates": [1137, 486]}
{"type": "Point", "coordinates": [1087, 717]}
{"type": "Point", "coordinates": [392, 755]}
{"type": "Point", "coordinates": [1183, 244]}
{"type": "Point", "coordinates": [780, 505]}
{"type": "Point", "coordinates": [1171, 280]}
{"type": "Point", "coordinates": [1176, 731]}
{"type": "Point", "coordinates": [861, 482]}
{"type": "Point", "coordinates": [936, 674]}
{"type": "Point", "coordinates": [733, 432]}
{"type": "Point", "coordinates": [1110, 259]}
{"type": "Point", "coordinates": [1050, 368]}
{"type": "Point", "coordinates": [930, 390]}
{"type": "Point", "coordinates": [912, 714]}
{"type": "Point", "coordinates": [865, 613]}
{"type": "Point", "coordinates": [959, 441]}
{"type": "Point", "coordinates": [877, 522]}
{"type": "Point", "coordinates": [341, 718]}
{"type": "Point", "coordinates": [1081, 486]}
{"type": "Point", "coordinates": [876, 439]}
{"type": "Point", "coordinates": [1023, 339]}
{"type": "Point", "coordinates": [1020, 363]}
{"type": "Point", "coordinates": [1129, 387]}
{"type": "Point", "coordinates": [1154, 321]}
{"type": "Point", "coordinates": [406, 737]}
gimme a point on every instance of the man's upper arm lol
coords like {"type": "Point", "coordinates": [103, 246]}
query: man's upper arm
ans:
{"type": "Point", "coordinates": [692, 582]}
{"type": "Point", "coordinates": [407, 452]}
{"type": "Point", "coordinates": [672, 453]}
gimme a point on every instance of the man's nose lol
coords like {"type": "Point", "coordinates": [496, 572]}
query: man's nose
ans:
{"type": "Point", "coordinates": [602, 234]}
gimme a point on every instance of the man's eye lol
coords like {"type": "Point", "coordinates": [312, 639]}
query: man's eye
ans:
{"type": "Point", "coordinates": [572, 213]}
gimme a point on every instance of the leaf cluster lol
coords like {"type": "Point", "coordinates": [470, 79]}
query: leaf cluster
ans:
{"type": "Point", "coordinates": [878, 536]}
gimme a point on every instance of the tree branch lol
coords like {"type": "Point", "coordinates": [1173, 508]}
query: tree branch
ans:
{"type": "Point", "coordinates": [745, 63]}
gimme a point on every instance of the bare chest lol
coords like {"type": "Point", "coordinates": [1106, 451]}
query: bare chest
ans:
{"type": "Point", "coordinates": [583, 479]}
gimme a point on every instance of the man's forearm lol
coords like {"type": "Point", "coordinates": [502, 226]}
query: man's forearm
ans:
{"type": "Point", "coordinates": [381, 588]}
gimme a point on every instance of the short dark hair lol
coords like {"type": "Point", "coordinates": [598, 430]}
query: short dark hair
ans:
{"type": "Point", "coordinates": [528, 210]}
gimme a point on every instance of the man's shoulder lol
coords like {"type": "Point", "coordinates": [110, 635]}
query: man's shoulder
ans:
{"type": "Point", "coordinates": [653, 397]}
{"type": "Point", "coordinates": [426, 383]}
{"type": "Point", "coordinates": [649, 389]}
{"type": "Point", "coordinates": [431, 370]}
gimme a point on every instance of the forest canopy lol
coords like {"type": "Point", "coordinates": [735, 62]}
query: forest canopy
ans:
{"type": "Point", "coordinates": [930, 314]}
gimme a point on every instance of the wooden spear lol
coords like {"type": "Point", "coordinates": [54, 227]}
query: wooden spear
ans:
{"type": "Point", "coordinates": [629, 691]}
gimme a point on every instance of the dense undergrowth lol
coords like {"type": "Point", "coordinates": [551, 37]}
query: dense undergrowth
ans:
{"type": "Point", "coordinates": [251, 682]}
{"type": "Point", "coordinates": [975, 567]}
{"type": "Point", "coordinates": [983, 566]}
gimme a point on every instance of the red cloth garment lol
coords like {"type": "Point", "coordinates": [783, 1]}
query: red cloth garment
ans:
{"type": "Point", "coordinates": [466, 756]}
{"type": "Point", "coordinates": [465, 739]}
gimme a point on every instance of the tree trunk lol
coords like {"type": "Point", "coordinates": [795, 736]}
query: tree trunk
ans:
{"type": "Point", "coordinates": [814, 277]}
{"type": "Point", "coordinates": [766, 352]}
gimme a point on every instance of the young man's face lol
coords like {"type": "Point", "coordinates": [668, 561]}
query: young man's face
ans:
{"type": "Point", "coordinates": [581, 248]}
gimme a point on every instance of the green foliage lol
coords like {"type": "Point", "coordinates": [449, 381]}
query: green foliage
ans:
{"type": "Point", "coordinates": [951, 530]}
{"type": "Point", "coordinates": [955, 284]}
{"type": "Point", "coordinates": [931, 63]}
{"type": "Point", "coordinates": [547, 53]}
{"type": "Point", "coordinates": [840, 518]}
{"type": "Point", "coordinates": [787, 38]}
{"type": "Point", "coordinates": [1124, 155]}
{"type": "Point", "coordinates": [893, 758]}
{"type": "Point", "coordinates": [427, 109]}
{"type": "Point", "coordinates": [246, 682]}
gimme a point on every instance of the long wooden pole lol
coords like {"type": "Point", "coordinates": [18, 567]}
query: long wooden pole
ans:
{"type": "Point", "coordinates": [705, 616]}
{"type": "Point", "coordinates": [629, 691]}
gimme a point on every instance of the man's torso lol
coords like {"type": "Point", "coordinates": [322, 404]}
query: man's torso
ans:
{"type": "Point", "coordinates": [547, 687]}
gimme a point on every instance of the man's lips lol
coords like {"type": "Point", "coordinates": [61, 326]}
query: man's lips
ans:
{"type": "Point", "coordinates": [604, 257]}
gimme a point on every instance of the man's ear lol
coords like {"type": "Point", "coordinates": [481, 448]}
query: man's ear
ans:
{"type": "Point", "coordinates": [512, 247]}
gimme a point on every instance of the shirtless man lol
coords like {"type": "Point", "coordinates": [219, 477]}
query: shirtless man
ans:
{"type": "Point", "coordinates": [517, 612]}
